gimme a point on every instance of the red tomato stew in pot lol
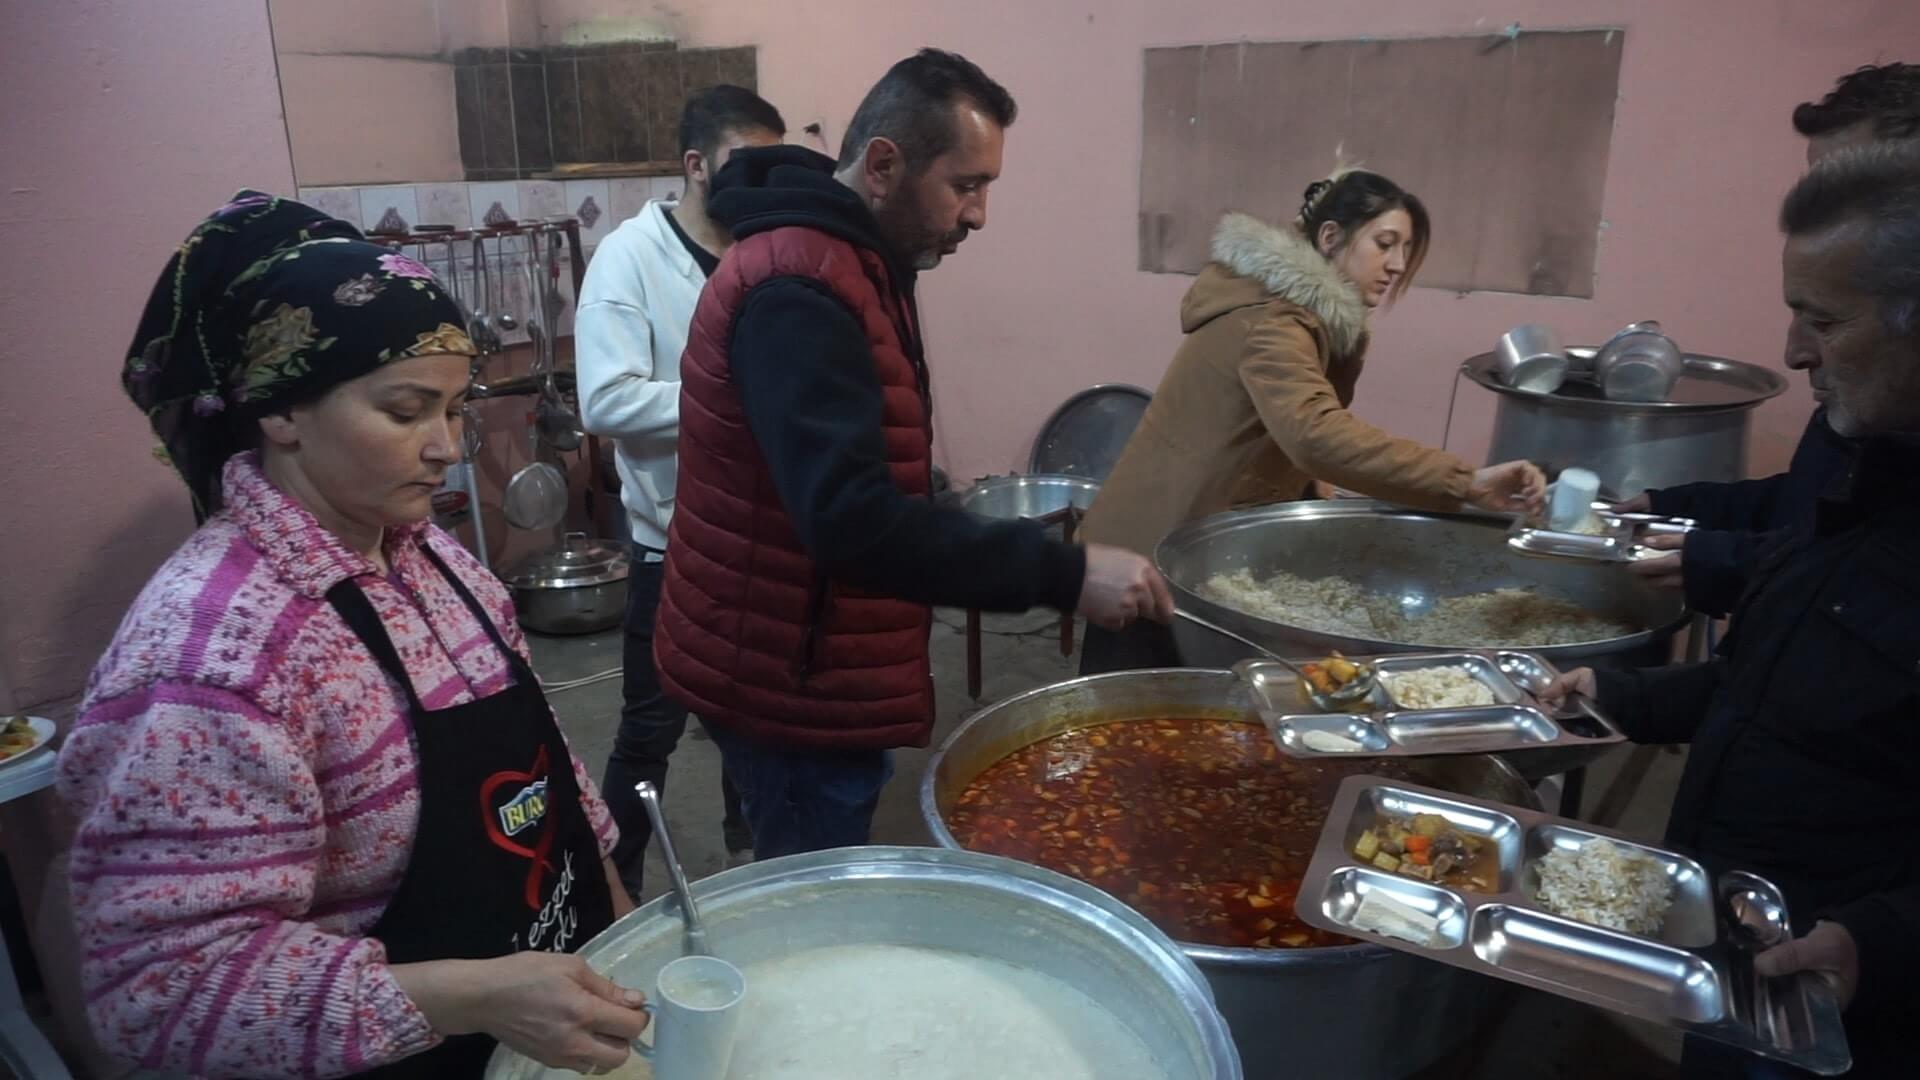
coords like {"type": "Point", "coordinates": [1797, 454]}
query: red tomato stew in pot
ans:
{"type": "Point", "coordinates": [1203, 826]}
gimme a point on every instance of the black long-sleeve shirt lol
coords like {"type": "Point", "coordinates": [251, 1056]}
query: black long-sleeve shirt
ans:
{"type": "Point", "coordinates": [1806, 729]}
{"type": "Point", "coordinates": [806, 378]}
{"type": "Point", "coordinates": [1718, 560]}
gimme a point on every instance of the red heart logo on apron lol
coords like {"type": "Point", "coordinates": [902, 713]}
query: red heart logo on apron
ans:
{"type": "Point", "coordinates": [489, 812]}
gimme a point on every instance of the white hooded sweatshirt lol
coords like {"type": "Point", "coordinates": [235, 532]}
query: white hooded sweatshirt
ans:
{"type": "Point", "coordinates": [635, 307]}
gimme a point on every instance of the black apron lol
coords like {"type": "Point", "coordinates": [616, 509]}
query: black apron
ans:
{"type": "Point", "coordinates": [504, 859]}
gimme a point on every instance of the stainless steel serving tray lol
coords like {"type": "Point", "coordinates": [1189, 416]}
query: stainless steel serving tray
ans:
{"type": "Point", "coordinates": [1515, 723]}
{"type": "Point", "coordinates": [1620, 538]}
{"type": "Point", "coordinates": [1696, 974]}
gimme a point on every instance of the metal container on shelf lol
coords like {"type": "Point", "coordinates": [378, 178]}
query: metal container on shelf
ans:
{"type": "Point", "coordinates": [978, 904]}
{"type": "Point", "coordinates": [1699, 432]}
{"type": "Point", "coordinates": [1357, 1011]}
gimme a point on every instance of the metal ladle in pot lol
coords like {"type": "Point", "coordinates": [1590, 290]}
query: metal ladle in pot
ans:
{"type": "Point", "coordinates": [1345, 699]}
{"type": "Point", "coordinates": [696, 929]}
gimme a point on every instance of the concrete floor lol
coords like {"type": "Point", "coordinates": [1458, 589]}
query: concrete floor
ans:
{"type": "Point", "coordinates": [1540, 1037]}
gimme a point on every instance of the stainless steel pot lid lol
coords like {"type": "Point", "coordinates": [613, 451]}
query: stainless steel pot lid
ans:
{"type": "Point", "coordinates": [1085, 435]}
{"type": "Point", "coordinates": [1706, 384]}
{"type": "Point", "coordinates": [576, 561]}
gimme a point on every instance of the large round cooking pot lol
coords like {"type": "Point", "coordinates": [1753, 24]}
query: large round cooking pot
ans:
{"type": "Point", "coordinates": [960, 900]}
{"type": "Point", "coordinates": [1350, 1010]}
{"type": "Point", "coordinates": [1414, 556]}
{"type": "Point", "coordinates": [579, 586]}
{"type": "Point", "coordinates": [1698, 432]}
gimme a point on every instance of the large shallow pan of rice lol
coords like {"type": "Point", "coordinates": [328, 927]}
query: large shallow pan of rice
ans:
{"type": "Point", "coordinates": [1367, 578]}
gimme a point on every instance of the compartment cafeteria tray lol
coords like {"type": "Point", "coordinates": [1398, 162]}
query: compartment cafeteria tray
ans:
{"type": "Point", "coordinates": [1514, 721]}
{"type": "Point", "coordinates": [1618, 539]}
{"type": "Point", "coordinates": [1694, 973]}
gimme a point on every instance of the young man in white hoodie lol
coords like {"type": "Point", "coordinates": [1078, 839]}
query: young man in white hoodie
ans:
{"type": "Point", "coordinates": [635, 307]}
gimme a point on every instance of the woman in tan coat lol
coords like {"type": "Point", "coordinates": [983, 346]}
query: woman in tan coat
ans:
{"type": "Point", "coordinates": [1254, 407]}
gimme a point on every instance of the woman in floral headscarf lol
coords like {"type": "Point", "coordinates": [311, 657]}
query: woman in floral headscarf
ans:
{"type": "Point", "coordinates": [328, 825]}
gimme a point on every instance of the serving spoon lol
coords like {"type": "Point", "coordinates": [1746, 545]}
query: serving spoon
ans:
{"type": "Point", "coordinates": [1344, 699]}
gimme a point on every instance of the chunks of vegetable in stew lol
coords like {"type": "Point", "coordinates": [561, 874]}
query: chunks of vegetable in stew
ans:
{"type": "Point", "coordinates": [1203, 826]}
{"type": "Point", "coordinates": [1428, 847]}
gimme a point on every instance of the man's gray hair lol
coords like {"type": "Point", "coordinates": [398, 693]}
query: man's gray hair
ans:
{"type": "Point", "coordinates": [1879, 186]}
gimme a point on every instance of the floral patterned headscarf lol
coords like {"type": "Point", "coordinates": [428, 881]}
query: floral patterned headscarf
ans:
{"type": "Point", "coordinates": [269, 304]}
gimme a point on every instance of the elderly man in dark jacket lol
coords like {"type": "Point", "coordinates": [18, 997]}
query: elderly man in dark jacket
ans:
{"type": "Point", "coordinates": [1880, 103]}
{"type": "Point", "coordinates": [1806, 728]}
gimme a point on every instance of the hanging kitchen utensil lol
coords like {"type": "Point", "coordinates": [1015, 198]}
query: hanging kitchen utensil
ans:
{"type": "Point", "coordinates": [479, 324]}
{"type": "Point", "coordinates": [453, 276]}
{"type": "Point", "coordinates": [558, 424]}
{"type": "Point", "coordinates": [536, 497]}
{"type": "Point", "coordinates": [502, 318]}
{"type": "Point", "coordinates": [471, 442]}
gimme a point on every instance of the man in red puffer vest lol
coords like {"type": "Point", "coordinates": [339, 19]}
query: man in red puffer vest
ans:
{"type": "Point", "coordinates": [804, 552]}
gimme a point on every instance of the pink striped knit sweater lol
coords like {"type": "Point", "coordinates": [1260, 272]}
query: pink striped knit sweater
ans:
{"type": "Point", "coordinates": [244, 779]}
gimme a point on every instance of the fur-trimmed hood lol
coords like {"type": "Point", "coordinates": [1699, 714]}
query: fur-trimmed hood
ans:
{"type": "Point", "coordinates": [1279, 262]}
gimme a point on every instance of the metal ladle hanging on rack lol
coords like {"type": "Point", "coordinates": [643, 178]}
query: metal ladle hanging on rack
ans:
{"type": "Point", "coordinates": [479, 324]}
{"type": "Point", "coordinates": [502, 318]}
{"type": "Point", "coordinates": [559, 427]}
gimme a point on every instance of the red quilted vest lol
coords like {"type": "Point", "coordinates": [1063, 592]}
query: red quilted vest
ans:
{"type": "Point", "coordinates": [750, 634]}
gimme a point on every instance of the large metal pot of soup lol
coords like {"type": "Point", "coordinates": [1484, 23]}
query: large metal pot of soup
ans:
{"type": "Point", "coordinates": [901, 952]}
{"type": "Point", "coordinates": [1367, 578]}
{"type": "Point", "coordinates": [1162, 788]}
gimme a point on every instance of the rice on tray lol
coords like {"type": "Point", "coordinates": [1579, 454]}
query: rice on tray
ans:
{"type": "Point", "coordinates": [1445, 686]}
{"type": "Point", "coordinates": [1604, 885]}
{"type": "Point", "coordinates": [1501, 618]}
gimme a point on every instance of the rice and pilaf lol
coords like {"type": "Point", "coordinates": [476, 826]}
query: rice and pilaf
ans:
{"type": "Point", "coordinates": [1501, 618]}
{"type": "Point", "coordinates": [1444, 686]}
{"type": "Point", "coordinates": [1602, 884]}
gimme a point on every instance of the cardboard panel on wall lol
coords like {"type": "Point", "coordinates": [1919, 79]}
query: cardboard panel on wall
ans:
{"type": "Point", "coordinates": [1504, 138]}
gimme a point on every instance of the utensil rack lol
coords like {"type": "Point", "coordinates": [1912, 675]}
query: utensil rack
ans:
{"type": "Point", "coordinates": [448, 251]}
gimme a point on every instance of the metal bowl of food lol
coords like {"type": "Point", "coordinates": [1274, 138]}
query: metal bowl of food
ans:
{"type": "Point", "coordinates": [1162, 787]}
{"type": "Point", "coordinates": [1366, 578]}
{"type": "Point", "coordinates": [1076, 949]}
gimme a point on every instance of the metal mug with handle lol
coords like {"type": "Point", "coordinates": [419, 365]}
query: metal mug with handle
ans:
{"type": "Point", "coordinates": [696, 1012]}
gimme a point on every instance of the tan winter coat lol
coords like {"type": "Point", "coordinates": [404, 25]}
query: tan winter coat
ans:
{"type": "Point", "coordinates": [1254, 405]}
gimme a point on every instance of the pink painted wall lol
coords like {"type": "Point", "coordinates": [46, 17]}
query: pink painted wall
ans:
{"type": "Point", "coordinates": [125, 122]}
{"type": "Point", "coordinates": [1047, 300]}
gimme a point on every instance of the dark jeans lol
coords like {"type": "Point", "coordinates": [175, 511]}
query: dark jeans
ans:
{"type": "Point", "coordinates": [651, 724]}
{"type": "Point", "coordinates": [804, 800]}
{"type": "Point", "coordinates": [1143, 644]}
